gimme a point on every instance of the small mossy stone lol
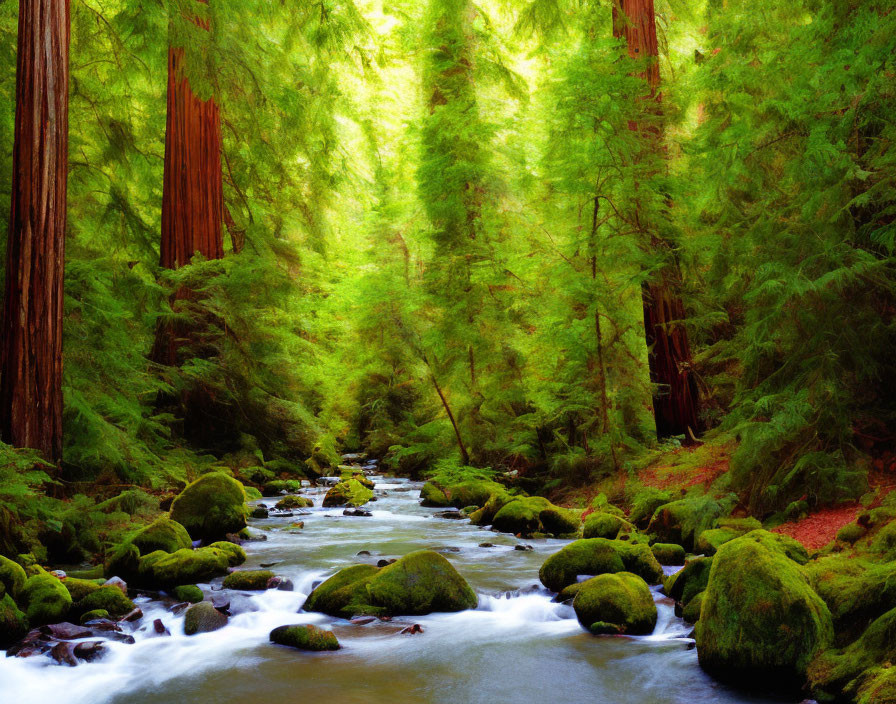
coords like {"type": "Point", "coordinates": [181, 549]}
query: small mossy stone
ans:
{"type": "Point", "coordinates": [162, 534]}
{"type": "Point", "coordinates": [305, 637]}
{"type": "Point", "coordinates": [189, 593]}
{"type": "Point", "coordinates": [203, 618]}
{"type": "Point", "coordinates": [109, 598]}
{"type": "Point", "coordinates": [79, 588]}
{"type": "Point", "coordinates": [290, 502]}
{"type": "Point", "coordinates": [249, 580]}
{"type": "Point", "coordinates": [760, 618]}
{"type": "Point", "coordinates": [335, 595]}
{"type": "Point", "coordinates": [433, 496]}
{"type": "Point", "coordinates": [211, 507]}
{"type": "Point", "coordinates": [527, 516]}
{"type": "Point", "coordinates": [622, 599]}
{"type": "Point", "coordinates": [605, 525]}
{"type": "Point", "coordinates": [189, 566]}
{"type": "Point", "coordinates": [668, 553]}
{"type": "Point", "coordinates": [45, 599]}
{"type": "Point", "coordinates": [235, 553]}
{"type": "Point", "coordinates": [595, 556]}
{"type": "Point", "coordinates": [602, 628]}
{"type": "Point", "coordinates": [94, 615]}
{"type": "Point", "coordinates": [13, 576]}
{"type": "Point", "coordinates": [13, 623]}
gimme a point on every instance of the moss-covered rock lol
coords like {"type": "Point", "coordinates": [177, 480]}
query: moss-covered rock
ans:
{"type": "Point", "coordinates": [605, 525]}
{"type": "Point", "coordinates": [644, 503]}
{"type": "Point", "coordinates": [305, 637]}
{"type": "Point", "coordinates": [185, 566]}
{"type": "Point", "coordinates": [622, 599]}
{"type": "Point", "coordinates": [79, 588]}
{"type": "Point", "coordinates": [595, 556]}
{"type": "Point", "coordinates": [291, 502]}
{"type": "Point", "coordinates": [472, 492]}
{"type": "Point", "coordinates": [434, 496]}
{"type": "Point", "coordinates": [211, 507]}
{"type": "Point", "coordinates": [250, 580]}
{"type": "Point", "coordinates": [760, 618]}
{"type": "Point", "coordinates": [529, 515]}
{"type": "Point", "coordinates": [485, 515]}
{"type": "Point", "coordinates": [94, 615]}
{"type": "Point", "coordinates": [683, 586]}
{"type": "Point", "coordinates": [110, 599]}
{"type": "Point", "coordinates": [691, 612]}
{"type": "Point", "coordinates": [45, 600]}
{"type": "Point", "coordinates": [162, 534]}
{"type": "Point", "coordinates": [235, 554]}
{"type": "Point", "coordinates": [709, 541]}
{"type": "Point", "coordinates": [348, 493]}
{"type": "Point", "coordinates": [278, 486]}
{"type": "Point", "coordinates": [189, 593]}
{"type": "Point", "coordinates": [12, 576]}
{"type": "Point", "coordinates": [13, 623]}
{"type": "Point", "coordinates": [203, 618]}
{"type": "Point", "coordinates": [350, 473]}
{"type": "Point", "coordinates": [668, 553]}
{"type": "Point", "coordinates": [419, 583]}
{"type": "Point", "coordinates": [682, 521]}
{"type": "Point", "coordinates": [851, 533]}
{"type": "Point", "coordinates": [124, 562]}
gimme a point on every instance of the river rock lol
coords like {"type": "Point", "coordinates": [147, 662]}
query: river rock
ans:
{"type": "Point", "coordinates": [595, 556]}
{"type": "Point", "coordinates": [304, 637]}
{"type": "Point", "coordinates": [260, 512]}
{"type": "Point", "coordinates": [66, 631]}
{"type": "Point", "coordinates": [616, 603]}
{"type": "Point", "coordinates": [357, 512]}
{"type": "Point", "coordinates": [281, 584]}
{"type": "Point", "coordinates": [605, 525]}
{"type": "Point", "coordinates": [64, 654]}
{"type": "Point", "coordinates": [523, 548]}
{"type": "Point", "coordinates": [211, 507]}
{"type": "Point", "coordinates": [203, 618]}
{"type": "Point", "coordinates": [348, 493]}
{"type": "Point", "coordinates": [13, 622]}
{"type": "Point", "coordinates": [681, 522]}
{"type": "Point", "coordinates": [411, 630]}
{"type": "Point", "coordinates": [419, 583]}
{"type": "Point", "coordinates": [118, 583]}
{"type": "Point", "coordinates": [451, 515]}
{"type": "Point", "coordinates": [668, 553]}
{"type": "Point", "coordinates": [45, 600]}
{"type": "Point", "coordinates": [248, 580]}
{"type": "Point", "coordinates": [110, 599]}
{"type": "Point", "coordinates": [289, 502]}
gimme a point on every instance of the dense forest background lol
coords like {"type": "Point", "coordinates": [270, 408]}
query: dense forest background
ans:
{"type": "Point", "coordinates": [441, 219]}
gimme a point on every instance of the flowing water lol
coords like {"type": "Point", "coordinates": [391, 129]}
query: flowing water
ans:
{"type": "Point", "coordinates": [517, 647]}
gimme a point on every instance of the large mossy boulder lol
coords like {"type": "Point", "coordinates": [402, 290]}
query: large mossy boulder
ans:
{"type": "Point", "coordinates": [45, 599]}
{"type": "Point", "coordinates": [526, 516]}
{"type": "Point", "coordinates": [203, 618]}
{"type": "Point", "coordinates": [726, 529]}
{"type": "Point", "coordinates": [12, 576]}
{"type": "Point", "coordinates": [13, 623]}
{"type": "Point", "coordinates": [620, 603]}
{"type": "Point", "coordinates": [347, 493]}
{"type": "Point", "coordinates": [605, 525]}
{"type": "Point", "coordinates": [682, 521]}
{"type": "Point", "coordinates": [305, 637]}
{"type": "Point", "coordinates": [760, 619]}
{"type": "Point", "coordinates": [162, 534]}
{"type": "Point", "coordinates": [211, 507]}
{"type": "Point", "coordinates": [419, 583]}
{"type": "Point", "coordinates": [595, 556]}
{"type": "Point", "coordinates": [184, 566]}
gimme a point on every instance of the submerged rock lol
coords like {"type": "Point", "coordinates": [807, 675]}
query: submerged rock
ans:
{"type": "Point", "coordinates": [419, 583]}
{"type": "Point", "coordinates": [760, 620]}
{"type": "Point", "coordinates": [620, 603]}
{"type": "Point", "coordinates": [304, 637]}
{"type": "Point", "coordinates": [211, 507]}
{"type": "Point", "coordinates": [203, 618]}
{"type": "Point", "coordinates": [595, 556]}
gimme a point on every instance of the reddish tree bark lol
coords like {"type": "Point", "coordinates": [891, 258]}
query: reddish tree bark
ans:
{"type": "Point", "coordinates": [192, 198]}
{"type": "Point", "coordinates": [31, 339]}
{"type": "Point", "coordinates": [676, 403]}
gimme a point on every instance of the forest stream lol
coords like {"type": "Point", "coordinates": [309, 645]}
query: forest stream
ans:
{"type": "Point", "coordinates": [518, 645]}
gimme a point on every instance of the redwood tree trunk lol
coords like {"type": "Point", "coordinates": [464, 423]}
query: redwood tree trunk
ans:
{"type": "Point", "coordinates": [31, 334]}
{"type": "Point", "coordinates": [676, 402]}
{"type": "Point", "coordinates": [192, 199]}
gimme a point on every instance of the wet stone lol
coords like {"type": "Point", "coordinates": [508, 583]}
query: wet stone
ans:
{"type": "Point", "coordinates": [89, 652]}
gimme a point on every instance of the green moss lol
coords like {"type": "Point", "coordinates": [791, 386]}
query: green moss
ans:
{"type": "Point", "coordinates": [434, 496]}
{"type": "Point", "coordinates": [644, 503]}
{"type": "Point", "coordinates": [305, 637]}
{"type": "Point", "coordinates": [595, 556]}
{"type": "Point", "coordinates": [276, 487]}
{"type": "Point", "coordinates": [12, 576]}
{"type": "Point", "coordinates": [235, 554]}
{"type": "Point", "coordinates": [691, 612]}
{"type": "Point", "coordinates": [162, 534]}
{"type": "Point", "coordinates": [211, 507]}
{"type": "Point", "coordinates": [682, 521]}
{"type": "Point", "coordinates": [622, 599]}
{"type": "Point", "coordinates": [187, 566]}
{"type": "Point", "coordinates": [348, 493]}
{"type": "Point", "coordinates": [189, 593]}
{"type": "Point", "coordinates": [690, 581]}
{"type": "Point", "coordinates": [358, 476]}
{"type": "Point", "coordinates": [668, 553]}
{"type": "Point", "coordinates": [79, 588]}
{"type": "Point", "coordinates": [486, 515]}
{"type": "Point", "coordinates": [878, 686]}
{"type": "Point", "coordinates": [419, 583]}
{"type": "Point", "coordinates": [96, 572]}
{"type": "Point", "coordinates": [530, 515]}
{"type": "Point", "coordinates": [203, 618]}
{"type": "Point", "coordinates": [13, 623]}
{"type": "Point", "coordinates": [124, 562]}
{"type": "Point", "coordinates": [290, 502]}
{"type": "Point", "coordinates": [109, 598]}
{"type": "Point", "coordinates": [760, 617]}
{"type": "Point", "coordinates": [45, 600]}
{"type": "Point", "coordinates": [251, 580]}
{"type": "Point", "coordinates": [94, 615]}
{"type": "Point", "coordinates": [252, 494]}
{"type": "Point", "coordinates": [851, 532]}
{"type": "Point", "coordinates": [334, 595]}
{"type": "Point", "coordinates": [605, 525]}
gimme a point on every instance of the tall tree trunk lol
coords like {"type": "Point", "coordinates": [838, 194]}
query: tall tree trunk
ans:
{"type": "Point", "coordinates": [31, 339]}
{"type": "Point", "coordinates": [676, 402]}
{"type": "Point", "coordinates": [192, 198]}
